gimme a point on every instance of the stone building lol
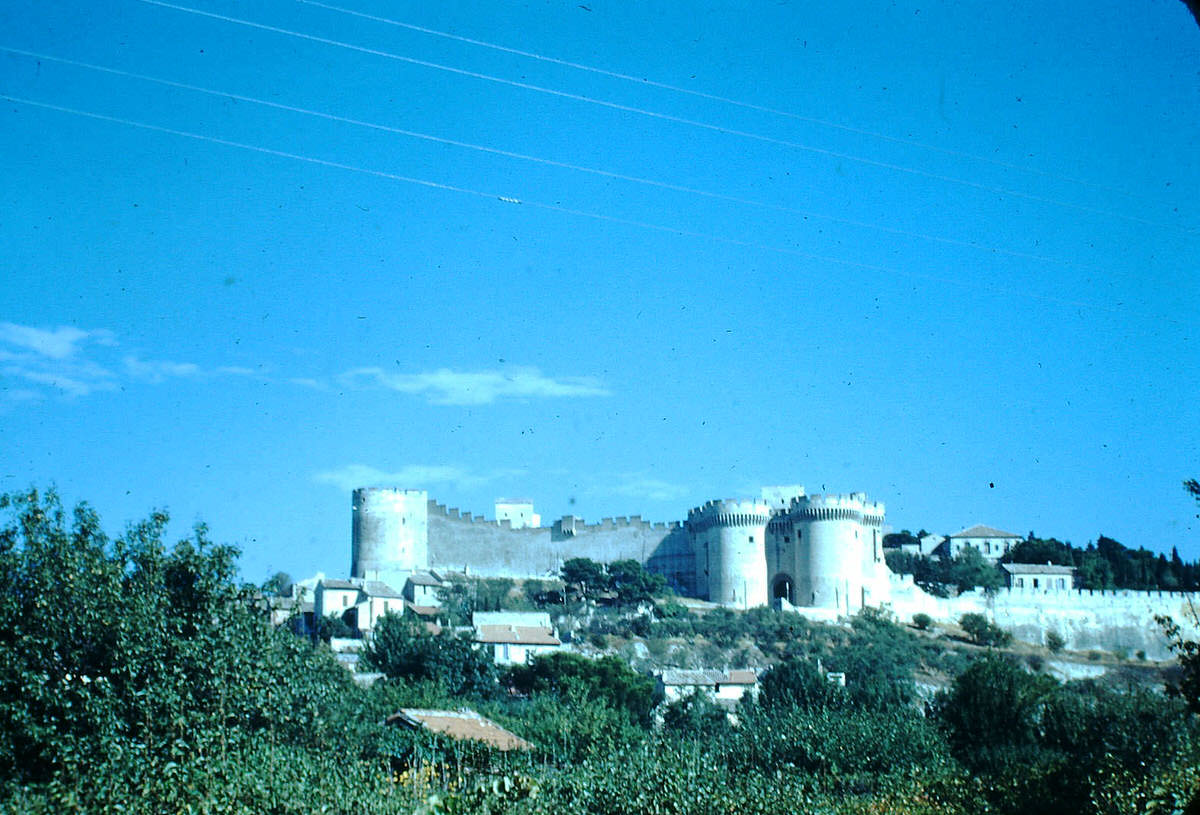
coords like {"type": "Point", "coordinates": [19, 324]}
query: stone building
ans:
{"type": "Point", "coordinates": [818, 551]}
{"type": "Point", "coordinates": [817, 554]}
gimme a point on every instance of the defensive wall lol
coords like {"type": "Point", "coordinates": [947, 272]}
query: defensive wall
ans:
{"type": "Point", "coordinates": [460, 541]}
{"type": "Point", "coordinates": [1087, 619]}
{"type": "Point", "coordinates": [821, 555]}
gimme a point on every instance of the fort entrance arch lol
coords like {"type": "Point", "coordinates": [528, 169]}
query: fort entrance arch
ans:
{"type": "Point", "coordinates": [783, 588]}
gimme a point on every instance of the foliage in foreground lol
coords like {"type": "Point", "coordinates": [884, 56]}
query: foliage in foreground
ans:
{"type": "Point", "coordinates": [140, 678]}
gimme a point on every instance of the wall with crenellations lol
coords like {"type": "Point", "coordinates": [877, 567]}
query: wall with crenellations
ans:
{"type": "Point", "coordinates": [461, 541]}
{"type": "Point", "coordinates": [1120, 620]}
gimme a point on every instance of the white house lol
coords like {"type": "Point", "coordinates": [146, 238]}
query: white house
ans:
{"type": "Point", "coordinates": [720, 686]}
{"type": "Point", "coordinates": [990, 542]}
{"type": "Point", "coordinates": [421, 589]}
{"type": "Point", "coordinates": [515, 637]}
{"type": "Point", "coordinates": [1039, 577]}
{"type": "Point", "coordinates": [359, 603]}
{"type": "Point", "coordinates": [518, 512]}
{"type": "Point", "coordinates": [930, 543]}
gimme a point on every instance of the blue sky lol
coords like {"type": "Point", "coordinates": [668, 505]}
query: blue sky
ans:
{"type": "Point", "coordinates": [617, 257]}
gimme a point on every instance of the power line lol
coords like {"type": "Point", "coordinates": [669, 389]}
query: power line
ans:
{"type": "Point", "coordinates": [711, 96]}
{"type": "Point", "coordinates": [666, 117]}
{"type": "Point", "coordinates": [515, 201]}
{"type": "Point", "coordinates": [550, 162]}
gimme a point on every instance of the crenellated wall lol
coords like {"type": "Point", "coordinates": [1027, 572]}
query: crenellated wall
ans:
{"type": "Point", "coordinates": [1112, 620]}
{"type": "Point", "coordinates": [464, 542]}
{"type": "Point", "coordinates": [820, 553]}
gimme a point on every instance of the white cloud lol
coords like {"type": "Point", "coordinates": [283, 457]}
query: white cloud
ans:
{"type": "Point", "coordinates": [447, 387]}
{"type": "Point", "coordinates": [158, 370]}
{"type": "Point", "coordinates": [68, 360]}
{"type": "Point", "coordinates": [414, 476]}
{"type": "Point", "coordinates": [638, 486]}
{"type": "Point", "coordinates": [21, 395]}
{"type": "Point", "coordinates": [59, 343]}
{"type": "Point", "coordinates": [70, 385]}
{"type": "Point", "coordinates": [305, 382]}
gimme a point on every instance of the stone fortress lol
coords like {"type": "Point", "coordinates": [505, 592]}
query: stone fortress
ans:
{"type": "Point", "coordinates": [820, 555]}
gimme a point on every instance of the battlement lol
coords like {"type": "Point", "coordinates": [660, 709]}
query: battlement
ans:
{"type": "Point", "coordinates": [568, 525]}
{"type": "Point", "coordinates": [729, 512]}
{"type": "Point", "coordinates": [393, 490]}
{"type": "Point", "coordinates": [849, 507]}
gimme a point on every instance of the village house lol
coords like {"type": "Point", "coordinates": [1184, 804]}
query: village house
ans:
{"type": "Point", "coordinates": [514, 637]}
{"type": "Point", "coordinates": [724, 687]}
{"type": "Point", "coordinates": [1039, 577]}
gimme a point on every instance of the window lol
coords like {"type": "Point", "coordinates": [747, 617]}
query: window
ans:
{"type": "Point", "coordinates": [1035, 582]}
{"type": "Point", "coordinates": [345, 600]}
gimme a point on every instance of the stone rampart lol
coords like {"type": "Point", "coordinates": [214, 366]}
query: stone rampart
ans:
{"type": "Point", "coordinates": [1112, 620]}
{"type": "Point", "coordinates": [461, 541]}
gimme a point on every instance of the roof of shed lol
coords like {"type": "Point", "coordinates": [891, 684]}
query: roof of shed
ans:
{"type": "Point", "coordinates": [677, 676]}
{"type": "Point", "coordinates": [460, 724]}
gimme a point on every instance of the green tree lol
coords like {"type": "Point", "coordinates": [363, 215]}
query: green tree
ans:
{"type": "Point", "coordinates": [608, 680]}
{"type": "Point", "coordinates": [798, 683]}
{"type": "Point", "coordinates": [121, 657]}
{"type": "Point", "coordinates": [402, 648]}
{"type": "Point", "coordinates": [982, 631]}
{"type": "Point", "coordinates": [972, 570]}
{"type": "Point", "coordinates": [879, 660]}
{"type": "Point", "coordinates": [696, 715]}
{"type": "Point", "coordinates": [992, 704]}
{"type": "Point", "coordinates": [632, 583]}
{"type": "Point", "coordinates": [582, 571]}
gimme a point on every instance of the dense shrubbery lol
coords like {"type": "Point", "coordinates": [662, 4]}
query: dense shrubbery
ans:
{"type": "Point", "coordinates": [982, 631]}
{"type": "Point", "coordinates": [137, 677]}
{"type": "Point", "coordinates": [942, 576]}
{"type": "Point", "coordinates": [626, 580]}
{"type": "Point", "coordinates": [402, 648]}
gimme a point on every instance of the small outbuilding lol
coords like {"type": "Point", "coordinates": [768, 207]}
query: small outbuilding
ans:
{"type": "Point", "coordinates": [719, 686]}
{"type": "Point", "coordinates": [1039, 576]}
{"type": "Point", "coordinates": [460, 724]}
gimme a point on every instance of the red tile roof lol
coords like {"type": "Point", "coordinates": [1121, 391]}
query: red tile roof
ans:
{"type": "Point", "coordinates": [460, 724]}
{"type": "Point", "coordinates": [516, 635]}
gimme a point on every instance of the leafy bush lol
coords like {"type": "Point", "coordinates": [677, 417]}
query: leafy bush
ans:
{"type": "Point", "coordinates": [922, 621]}
{"type": "Point", "coordinates": [155, 668]}
{"type": "Point", "coordinates": [695, 715]}
{"type": "Point", "coordinates": [797, 683]}
{"type": "Point", "coordinates": [402, 648]}
{"type": "Point", "coordinates": [1055, 641]}
{"type": "Point", "coordinates": [607, 680]}
{"type": "Point", "coordinates": [982, 631]}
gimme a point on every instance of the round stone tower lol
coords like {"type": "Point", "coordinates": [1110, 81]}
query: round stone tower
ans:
{"type": "Point", "coordinates": [837, 556]}
{"type": "Point", "coordinates": [390, 535]}
{"type": "Point", "coordinates": [728, 540]}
